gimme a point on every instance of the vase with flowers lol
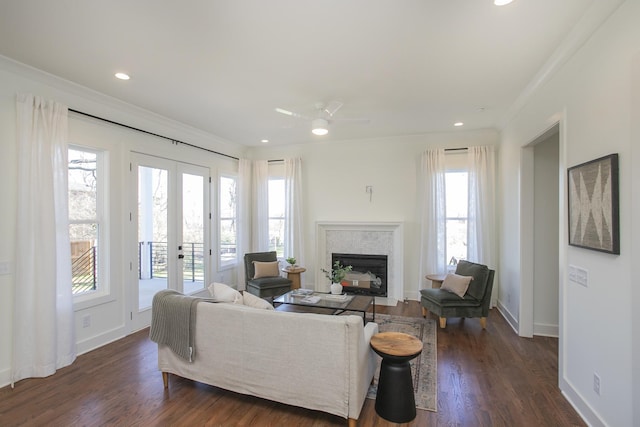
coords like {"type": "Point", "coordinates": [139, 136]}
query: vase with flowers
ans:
{"type": "Point", "coordinates": [335, 275]}
{"type": "Point", "coordinates": [292, 262]}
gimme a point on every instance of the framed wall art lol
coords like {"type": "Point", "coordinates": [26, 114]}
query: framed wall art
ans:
{"type": "Point", "coordinates": [594, 205]}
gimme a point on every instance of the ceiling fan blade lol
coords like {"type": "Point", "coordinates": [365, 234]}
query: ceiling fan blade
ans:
{"type": "Point", "coordinates": [332, 107]}
{"type": "Point", "coordinates": [292, 114]}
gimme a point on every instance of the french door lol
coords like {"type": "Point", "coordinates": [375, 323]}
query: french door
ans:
{"type": "Point", "coordinates": [170, 215]}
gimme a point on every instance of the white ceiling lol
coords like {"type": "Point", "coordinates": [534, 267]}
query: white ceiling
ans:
{"type": "Point", "coordinates": [223, 66]}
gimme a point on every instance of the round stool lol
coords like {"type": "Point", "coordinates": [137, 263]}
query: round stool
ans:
{"type": "Point", "coordinates": [395, 400]}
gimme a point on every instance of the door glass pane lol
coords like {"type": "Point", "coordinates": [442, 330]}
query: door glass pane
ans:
{"type": "Point", "coordinates": [152, 233]}
{"type": "Point", "coordinates": [192, 232]}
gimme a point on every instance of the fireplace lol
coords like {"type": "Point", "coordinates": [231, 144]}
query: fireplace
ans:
{"type": "Point", "coordinates": [369, 274]}
{"type": "Point", "coordinates": [381, 238]}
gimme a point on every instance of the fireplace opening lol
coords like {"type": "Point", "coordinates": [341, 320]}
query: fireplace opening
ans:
{"type": "Point", "coordinates": [369, 274]}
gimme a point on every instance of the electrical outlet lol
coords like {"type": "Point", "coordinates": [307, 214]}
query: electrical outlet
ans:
{"type": "Point", "coordinates": [596, 383]}
{"type": "Point", "coordinates": [582, 277]}
{"type": "Point", "coordinates": [86, 321]}
{"type": "Point", "coordinates": [572, 273]}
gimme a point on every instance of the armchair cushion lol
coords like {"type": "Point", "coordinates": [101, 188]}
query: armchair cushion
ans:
{"type": "Point", "coordinates": [265, 269]}
{"type": "Point", "coordinates": [480, 274]}
{"type": "Point", "coordinates": [456, 284]}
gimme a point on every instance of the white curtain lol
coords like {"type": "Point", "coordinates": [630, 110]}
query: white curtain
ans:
{"type": "Point", "coordinates": [432, 215]}
{"type": "Point", "coordinates": [293, 231]}
{"type": "Point", "coordinates": [260, 235]}
{"type": "Point", "coordinates": [243, 244]}
{"type": "Point", "coordinates": [481, 232]}
{"type": "Point", "coordinates": [43, 319]}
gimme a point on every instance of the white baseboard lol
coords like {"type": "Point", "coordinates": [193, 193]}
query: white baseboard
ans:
{"type": "Point", "coordinates": [100, 340]}
{"type": "Point", "coordinates": [5, 378]}
{"type": "Point", "coordinates": [582, 407]}
{"type": "Point", "coordinates": [510, 318]}
{"type": "Point", "coordinates": [545, 330]}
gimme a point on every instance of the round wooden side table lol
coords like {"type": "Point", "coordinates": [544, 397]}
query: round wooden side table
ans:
{"type": "Point", "coordinates": [293, 274]}
{"type": "Point", "coordinates": [436, 279]}
{"type": "Point", "coordinates": [395, 400]}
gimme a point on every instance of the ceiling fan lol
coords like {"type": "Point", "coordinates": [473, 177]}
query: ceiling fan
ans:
{"type": "Point", "coordinates": [323, 117]}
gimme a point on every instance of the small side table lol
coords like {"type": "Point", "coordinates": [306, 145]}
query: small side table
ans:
{"type": "Point", "coordinates": [436, 279]}
{"type": "Point", "coordinates": [293, 274]}
{"type": "Point", "coordinates": [395, 400]}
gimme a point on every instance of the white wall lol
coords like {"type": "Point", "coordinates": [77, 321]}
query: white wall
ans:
{"type": "Point", "coordinates": [335, 176]}
{"type": "Point", "coordinates": [591, 96]}
{"type": "Point", "coordinates": [109, 319]}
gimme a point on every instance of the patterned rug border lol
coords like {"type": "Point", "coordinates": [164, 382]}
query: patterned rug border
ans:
{"type": "Point", "coordinates": [425, 378]}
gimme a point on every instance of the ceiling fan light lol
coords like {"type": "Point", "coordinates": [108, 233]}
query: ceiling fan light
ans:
{"type": "Point", "coordinates": [320, 127]}
{"type": "Point", "coordinates": [502, 2]}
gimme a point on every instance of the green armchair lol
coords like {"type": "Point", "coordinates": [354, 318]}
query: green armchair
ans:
{"type": "Point", "coordinates": [476, 302]}
{"type": "Point", "coordinates": [269, 286]}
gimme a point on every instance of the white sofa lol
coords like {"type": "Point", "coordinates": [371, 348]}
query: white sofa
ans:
{"type": "Point", "coordinates": [314, 361]}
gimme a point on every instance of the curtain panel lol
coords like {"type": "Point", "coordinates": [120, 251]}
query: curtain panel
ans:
{"type": "Point", "coordinates": [43, 323]}
{"type": "Point", "coordinates": [432, 214]}
{"type": "Point", "coordinates": [293, 231]}
{"type": "Point", "coordinates": [481, 231]}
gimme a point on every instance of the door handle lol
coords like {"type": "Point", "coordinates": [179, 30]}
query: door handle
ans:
{"type": "Point", "coordinates": [180, 256]}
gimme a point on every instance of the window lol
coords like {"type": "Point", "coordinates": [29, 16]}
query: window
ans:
{"type": "Point", "coordinates": [456, 184]}
{"type": "Point", "coordinates": [276, 215]}
{"type": "Point", "coordinates": [228, 234]}
{"type": "Point", "coordinates": [86, 227]}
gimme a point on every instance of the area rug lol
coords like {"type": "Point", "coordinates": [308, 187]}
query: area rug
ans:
{"type": "Point", "coordinates": [423, 367]}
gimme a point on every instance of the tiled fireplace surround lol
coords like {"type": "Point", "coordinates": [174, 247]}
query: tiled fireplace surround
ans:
{"type": "Point", "coordinates": [369, 238]}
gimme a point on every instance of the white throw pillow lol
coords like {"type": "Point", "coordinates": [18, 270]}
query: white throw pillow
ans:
{"type": "Point", "coordinates": [251, 300]}
{"type": "Point", "coordinates": [456, 284]}
{"type": "Point", "coordinates": [265, 269]}
{"type": "Point", "coordinates": [224, 293]}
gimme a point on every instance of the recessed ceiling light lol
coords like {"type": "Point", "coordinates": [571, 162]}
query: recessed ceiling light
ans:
{"type": "Point", "coordinates": [458, 124]}
{"type": "Point", "coordinates": [122, 76]}
{"type": "Point", "coordinates": [501, 2]}
{"type": "Point", "coordinates": [264, 141]}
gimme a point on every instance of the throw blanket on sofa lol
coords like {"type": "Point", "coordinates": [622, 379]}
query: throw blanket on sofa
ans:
{"type": "Point", "coordinates": [173, 317]}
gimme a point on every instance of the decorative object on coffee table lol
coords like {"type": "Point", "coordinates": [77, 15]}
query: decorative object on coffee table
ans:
{"type": "Point", "coordinates": [291, 261]}
{"type": "Point", "coordinates": [335, 275]}
{"type": "Point", "coordinates": [395, 400]}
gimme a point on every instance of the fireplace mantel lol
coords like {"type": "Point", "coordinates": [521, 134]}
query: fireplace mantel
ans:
{"type": "Point", "coordinates": [375, 238]}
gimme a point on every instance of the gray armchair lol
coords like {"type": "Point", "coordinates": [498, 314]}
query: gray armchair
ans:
{"type": "Point", "coordinates": [264, 287]}
{"type": "Point", "coordinates": [475, 303]}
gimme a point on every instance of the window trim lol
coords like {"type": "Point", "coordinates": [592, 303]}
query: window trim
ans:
{"type": "Point", "coordinates": [104, 291]}
{"type": "Point", "coordinates": [228, 264]}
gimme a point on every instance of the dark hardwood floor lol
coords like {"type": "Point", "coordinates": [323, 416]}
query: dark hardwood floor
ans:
{"type": "Point", "coordinates": [485, 378]}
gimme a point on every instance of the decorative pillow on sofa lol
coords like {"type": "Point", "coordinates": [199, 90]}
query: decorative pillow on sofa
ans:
{"type": "Point", "coordinates": [456, 284]}
{"type": "Point", "coordinates": [224, 293]}
{"type": "Point", "coordinates": [265, 269]}
{"type": "Point", "coordinates": [251, 300]}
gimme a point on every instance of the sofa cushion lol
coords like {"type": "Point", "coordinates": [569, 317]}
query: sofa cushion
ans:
{"type": "Point", "coordinates": [224, 293]}
{"type": "Point", "coordinates": [265, 269]}
{"type": "Point", "coordinates": [251, 300]}
{"type": "Point", "coordinates": [480, 274]}
{"type": "Point", "coordinates": [456, 284]}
